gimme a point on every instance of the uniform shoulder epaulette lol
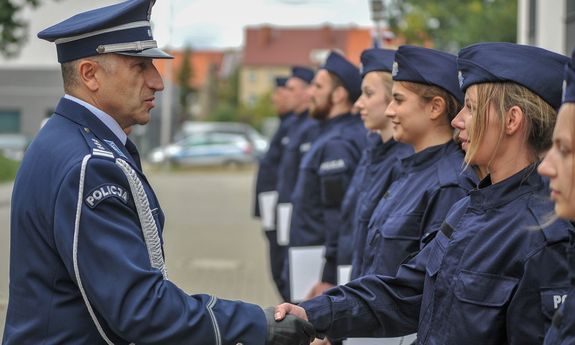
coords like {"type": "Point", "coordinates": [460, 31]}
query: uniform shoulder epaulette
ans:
{"type": "Point", "coordinates": [553, 231]}
{"type": "Point", "coordinates": [447, 171]}
{"type": "Point", "coordinates": [97, 147]}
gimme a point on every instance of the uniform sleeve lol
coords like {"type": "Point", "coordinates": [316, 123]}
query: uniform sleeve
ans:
{"type": "Point", "coordinates": [339, 161]}
{"type": "Point", "coordinates": [128, 296]}
{"type": "Point", "coordinates": [372, 306]}
{"type": "Point", "coordinates": [540, 292]}
{"type": "Point", "coordinates": [266, 178]}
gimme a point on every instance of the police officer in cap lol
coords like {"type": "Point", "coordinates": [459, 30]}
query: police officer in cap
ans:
{"type": "Point", "coordinates": [87, 263]}
{"type": "Point", "coordinates": [497, 270]}
{"type": "Point", "coordinates": [326, 170]}
{"type": "Point", "coordinates": [266, 180]}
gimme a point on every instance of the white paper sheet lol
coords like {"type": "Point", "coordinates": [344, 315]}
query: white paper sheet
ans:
{"type": "Point", "coordinates": [305, 265]}
{"type": "Point", "coordinates": [343, 274]}
{"type": "Point", "coordinates": [268, 202]}
{"type": "Point", "coordinates": [284, 223]}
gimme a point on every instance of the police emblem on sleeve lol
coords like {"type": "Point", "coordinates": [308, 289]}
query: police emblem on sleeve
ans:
{"type": "Point", "coordinates": [104, 192]}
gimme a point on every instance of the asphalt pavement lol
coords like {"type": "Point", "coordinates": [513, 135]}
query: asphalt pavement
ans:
{"type": "Point", "coordinates": [212, 243]}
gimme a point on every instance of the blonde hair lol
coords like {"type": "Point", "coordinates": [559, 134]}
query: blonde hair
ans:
{"type": "Point", "coordinates": [387, 81]}
{"type": "Point", "coordinates": [428, 92]}
{"type": "Point", "coordinates": [539, 117]}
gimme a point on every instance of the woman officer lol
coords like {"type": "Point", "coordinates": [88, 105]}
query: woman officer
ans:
{"type": "Point", "coordinates": [425, 98]}
{"type": "Point", "coordinates": [558, 166]}
{"type": "Point", "coordinates": [372, 175]}
{"type": "Point", "coordinates": [494, 271]}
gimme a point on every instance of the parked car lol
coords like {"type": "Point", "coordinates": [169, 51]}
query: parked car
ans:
{"type": "Point", "coordinates": [13, 146]}
{"type": "Point", "coordinates": [257, 140]}
{"type": "Point", "coordinates": [206, 148]}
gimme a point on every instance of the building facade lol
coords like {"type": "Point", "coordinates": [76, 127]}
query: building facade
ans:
{"type": "Point", "coordinates": [547, 24]}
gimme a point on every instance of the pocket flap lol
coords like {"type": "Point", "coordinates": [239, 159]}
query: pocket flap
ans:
{"type": "Point", "coordinates": [402, 227]}
{"type": "Point", "coordinates": [484, 289]}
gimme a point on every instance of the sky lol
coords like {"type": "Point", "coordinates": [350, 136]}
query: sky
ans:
{"type": "Point", "coordinates": [215, 24]}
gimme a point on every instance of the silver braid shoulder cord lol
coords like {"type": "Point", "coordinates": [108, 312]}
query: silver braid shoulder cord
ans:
{"type": "Point", "coordinates": [149, 230]}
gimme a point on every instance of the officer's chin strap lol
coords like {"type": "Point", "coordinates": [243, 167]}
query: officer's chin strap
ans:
{"type": "Point", "coordinates": [149, 230]}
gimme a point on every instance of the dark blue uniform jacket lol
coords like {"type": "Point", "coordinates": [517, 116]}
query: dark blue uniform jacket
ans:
{"type": "Point", "coordinates": [267, 176]}
{"type": "Point", "coordinates": [562, 330]}
{"type": "Point", "coordinates": [414, 206]}
{"type": "Point", "coordinates": [78, 249]}
{"type": "Point", "coordinates": [324, 175]}
{"type": "Point", "coordinates": [490, 276]}
{"type": "Point", "coordinates": [371, 176]}
{"type": "Point", "coordinates": [301, 135]}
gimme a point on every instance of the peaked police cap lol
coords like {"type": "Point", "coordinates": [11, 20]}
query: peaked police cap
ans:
{"type": "Point", "coordinates": [123, 28]}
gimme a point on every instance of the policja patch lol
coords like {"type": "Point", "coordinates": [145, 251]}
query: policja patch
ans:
{"type": "Point", "coordinates": [104, 192]}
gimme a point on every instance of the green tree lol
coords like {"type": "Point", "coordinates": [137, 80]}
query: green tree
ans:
{"type": "Point", "coordinates": [184, 80]}
{"type": "Point", "coordinates": [453, 24]}
{"type": "Point", "coordinates": [13, 30]}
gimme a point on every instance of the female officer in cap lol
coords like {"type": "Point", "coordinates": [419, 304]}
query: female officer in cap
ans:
{"type": "Point", "coordinates": [372, 175]}
{"type": "Point", "coordinates": [426, 97]}
{"type": "Point", "coordinates": [558, 167]}
{"type": "Point", "coordinates": [494, 272]}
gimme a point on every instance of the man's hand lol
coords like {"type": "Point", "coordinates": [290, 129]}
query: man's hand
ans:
{"type": "Point", "coordinates": [286, 309]}
{"type": "Point", "coordinates": [289, 330]}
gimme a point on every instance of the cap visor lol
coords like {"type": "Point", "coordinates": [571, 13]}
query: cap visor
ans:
{"type": "Point", "coordinates": [153, 53]}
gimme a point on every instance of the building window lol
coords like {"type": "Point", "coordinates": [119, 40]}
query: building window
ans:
{"type": "Point", "coordinates": [570, 27]}
{"type": "Point", "coordinates": [9, 121]}
{"type": "Point", "coordinates": [252, 99]}
{"type": "Point", "coordinates": [532, 23]}
{"type": "Point", "coordinates": [252, 76]}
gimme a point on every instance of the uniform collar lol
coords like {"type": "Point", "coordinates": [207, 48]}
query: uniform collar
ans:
{"type": "Point", "coordinates": [489, 195]}
{"type": "Point", "coordinates": [380, 149]}
{"type": "Point", "coordinates": [108, 120]}
{"type": "Point", "coordinates": [429, 156]}
{"type": "Point", "coordinates": [80, 114]}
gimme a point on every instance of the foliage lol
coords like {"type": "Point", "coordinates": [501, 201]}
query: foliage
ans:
{"type": "Point", "coordinates": [13, 30]}
{"type": "Point", "coordinates": [453, 24]}
{"type": "Point", "coordinates": [184, 81]}
{"type": "Point", "coordinates": [8, 169]}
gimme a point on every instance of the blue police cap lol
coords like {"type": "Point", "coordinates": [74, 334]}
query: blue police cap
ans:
{"type": "Point", "coordinates": [427, 66]}
{"type": "Point", "coordinates": [123, 28]}
{"type": "Point", "coordinates": [537, 69]}
{"type": "Point", "coordinates": [376, 59]}
{"type": "Point", "coordinates": [303, 73]}
{"type": "Point", "coordinates": [346, 71]}
{"type": "Point", "coordinates": [281, 81]}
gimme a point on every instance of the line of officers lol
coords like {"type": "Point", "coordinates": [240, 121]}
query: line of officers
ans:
{"type": "Point", "coordinates": [416, 178]}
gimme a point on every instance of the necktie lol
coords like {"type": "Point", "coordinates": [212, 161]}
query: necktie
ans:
{"type": "Point", "coordinates": [133, 151]}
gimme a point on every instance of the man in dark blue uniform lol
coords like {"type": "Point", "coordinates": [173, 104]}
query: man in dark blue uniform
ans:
{"type": "Point", "coordinates": [87, 263]}
{"type": "Point", "coordinates": [327, 168]}
{"type": "Point", "coordinates": [299, 130]}
{"type": "Point", "coordinates": [266, 179]}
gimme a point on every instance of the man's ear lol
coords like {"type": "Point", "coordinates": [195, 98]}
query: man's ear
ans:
{"type": "Point", "coordinates": [436, 107]}
{"type": "Point", "coordinates": [339, 94]}
{"type": "Point", "coordinates": [87, 71]}
{"type": "Point", "coordinates": [514, 120]}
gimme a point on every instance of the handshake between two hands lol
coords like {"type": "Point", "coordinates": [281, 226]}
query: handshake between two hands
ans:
{"type": "Point", "coordinates": [287, 325]}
